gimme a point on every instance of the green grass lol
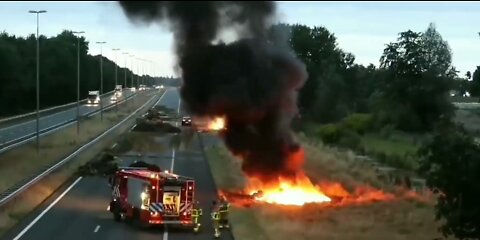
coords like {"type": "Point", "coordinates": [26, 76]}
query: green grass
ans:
{"type": "Point", "coordinates": [397, 144]}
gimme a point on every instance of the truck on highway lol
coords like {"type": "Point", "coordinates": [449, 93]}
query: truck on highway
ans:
{"type": "Point", "coordinates": [148, 196]}
{"type": "Point", "coordinates": [93, 97]}
{"type": "Point", "coordinates": [118, 91]}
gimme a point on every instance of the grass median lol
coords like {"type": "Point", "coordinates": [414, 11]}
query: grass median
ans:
{"type": "Point", "coordinates": [397, 219]}
{"type": "Point", "coordinates": [56, 146]}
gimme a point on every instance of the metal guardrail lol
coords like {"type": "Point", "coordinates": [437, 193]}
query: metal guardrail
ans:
{"type": "Point", "coordinates": [21, 140]}
{"type": "Point", "coordinates": [46, 110]}
{"type": "Point", "coordinates": [10, 193]}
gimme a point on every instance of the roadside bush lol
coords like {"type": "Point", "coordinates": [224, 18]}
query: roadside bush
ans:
{"type": "Point", "coordinates": [386, 131]}
{"type": "Point", "coordinates": [358, 122]}
{"type": "Point", "coordinates": [350, 140]}
{"type": "Point", "coordinates": [330, 133]}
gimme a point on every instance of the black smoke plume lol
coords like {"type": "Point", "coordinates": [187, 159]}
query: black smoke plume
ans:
{"type": "Point", "coordinates": [252, 82]}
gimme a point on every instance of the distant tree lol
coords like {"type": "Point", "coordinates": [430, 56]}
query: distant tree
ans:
{"type": "Point", "coordinates": [468, 75]}
{"type": "Point", "coordinates": [325, 96]}
{"type": "Point", "coordinates": [438, 55]}
{"type": "Point", "coordinates": [475, 84]}
{"type": "Point", "coordinates": [418, 80]}
{"type": "Point", "coordinates": [451, 164]}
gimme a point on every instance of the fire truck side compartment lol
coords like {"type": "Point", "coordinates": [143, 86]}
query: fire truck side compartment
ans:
{"type": "Point", "coordinates": [135, 188]}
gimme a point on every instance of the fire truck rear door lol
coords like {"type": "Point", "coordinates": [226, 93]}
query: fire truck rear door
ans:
{"type": "Point", "coordinates": [171, 200]}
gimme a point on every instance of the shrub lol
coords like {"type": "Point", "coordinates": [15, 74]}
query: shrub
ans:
{"type": "Point", "coordinates": [330, 133]}
{"type": "Point", "coordinates": [350, 140]}
{"type": "Point", "coordinates": [358, 122]}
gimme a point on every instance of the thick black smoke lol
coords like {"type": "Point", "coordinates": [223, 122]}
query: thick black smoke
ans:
{"type": "Point", "coordinates": [251, 81]}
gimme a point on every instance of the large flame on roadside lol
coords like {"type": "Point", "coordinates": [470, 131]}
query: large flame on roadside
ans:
{"type": "Point", "coordinates": [289, 192]}
{"type": "Point", "coordinates": [297, 189]}
{"type": "Point", "coordinates": [217, 123]}
{"type": "Point", "coordinates": [301, 191]}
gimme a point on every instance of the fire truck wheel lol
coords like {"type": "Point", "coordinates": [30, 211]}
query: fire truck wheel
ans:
{"type": "Point", "coordinates": [117, 216]}
{"type": "Point", "coordinates": [137, 221]}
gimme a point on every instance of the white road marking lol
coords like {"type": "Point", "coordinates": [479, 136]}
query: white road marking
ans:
{"type": "Point", "coordinates": [165, 234]}
{"type": "Point", "coordinates": [46, 209]}
{"type": "Point", "coordinates": [114, 145]}
{"type": "Point", "coordinates": [96, 229]}
{"type": "Point", "coordinates": [176, 125]}
{"type": "Point", "coordinates": [173, 159]}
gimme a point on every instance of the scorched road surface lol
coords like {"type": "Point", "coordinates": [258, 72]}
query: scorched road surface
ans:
{"type": "Point", "coordinates": [82, 213]}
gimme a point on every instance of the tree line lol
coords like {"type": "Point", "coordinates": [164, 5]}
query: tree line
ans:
{"type": "Point", "coordinates": [410, 91]}
{"type": "Point", "coordinates": [58, 72]}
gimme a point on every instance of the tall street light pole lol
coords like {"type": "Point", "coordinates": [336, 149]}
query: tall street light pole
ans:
{"type": "Point", "coordinates": [38, 78]}
{"type": "Point", "coordinates": [138, 71]}
{"type": "Point", "coordinates": [125, 70]}
{"type": "Point", "coordinates": [116, 66]}
{"type": "Point", "coordinates": [78, 80]}
{"type": "Point", "coordinates": [116, 81]}
{"type": "Point", "coordinates": [131, 69]}
{"type": "Point", "coordinates": [101, 79]}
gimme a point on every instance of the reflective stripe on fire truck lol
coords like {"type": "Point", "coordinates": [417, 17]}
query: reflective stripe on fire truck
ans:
{"type": "Point", "coordinates": [116, 191]}
{"type": "Point", "coordinates": [156, 207]}
{"type": "Point", "coordinates": [184, 206]}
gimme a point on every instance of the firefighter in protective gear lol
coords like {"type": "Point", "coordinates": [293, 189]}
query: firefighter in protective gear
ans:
{"type": "Point", "coordinates": [223, 209]}
{"type": "Point", "coordinates": [196, 213]}
{"type": "Point", "coordinates": [216, 220]}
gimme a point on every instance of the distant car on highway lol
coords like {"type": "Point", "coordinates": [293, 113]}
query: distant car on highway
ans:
{"type": "Point", "coordinates": [113, 98]}
{"type": "Point", "coordinates": [93, 97]}
{"type": "Point", "coordinates": [186, 121]}
{"type": "Point", "coordinates": [118, 91]}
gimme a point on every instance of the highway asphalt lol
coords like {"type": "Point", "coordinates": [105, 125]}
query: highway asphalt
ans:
{"type": "Point", "coordinates": [23, 129]}
{"type": "Point", "coordinates": [79, 211]}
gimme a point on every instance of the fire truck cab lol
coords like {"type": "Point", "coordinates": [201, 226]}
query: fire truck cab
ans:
{"type": "Point", "coordinates": [148, 197]}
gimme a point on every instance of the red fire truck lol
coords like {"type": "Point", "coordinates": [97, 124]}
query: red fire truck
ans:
{"type": "Point", "coordinates": [149, 197]}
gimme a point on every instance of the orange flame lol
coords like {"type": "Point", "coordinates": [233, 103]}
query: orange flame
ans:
{"type": "Point", "coordinates": [286, 192]}
{"type": "Point", "coordinates": [209, 123]}
{"type": "Point", "coordinates": [301, 191]}
{"type": "Point", "coordinates": [218, 123]}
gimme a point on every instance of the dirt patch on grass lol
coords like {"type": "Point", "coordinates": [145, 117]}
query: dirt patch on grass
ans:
{"type": "Point", "coordinates": [397, 219]}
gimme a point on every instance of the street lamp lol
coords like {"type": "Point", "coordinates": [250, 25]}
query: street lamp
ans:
{"type": "Point", "coordinates": [131, 68]}
{"type": "Point", "coordinates": [101, 79]}
{"type": "Point", "coordinates": [125, 70]}
{"type": "Point", "coordinates": [78, 80]}
{"type": "Point", "coordinates": [115, 50]}
{"type": "Point", "coordinates": [38, 78]}
{"type": "Point", "coordinates": [116, 101]}
{"type": "Point", "coordinates": [138, 71]}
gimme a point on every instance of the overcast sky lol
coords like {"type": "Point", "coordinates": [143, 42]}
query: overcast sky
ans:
{"type": "Point", "coordinates": [362, 28]}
